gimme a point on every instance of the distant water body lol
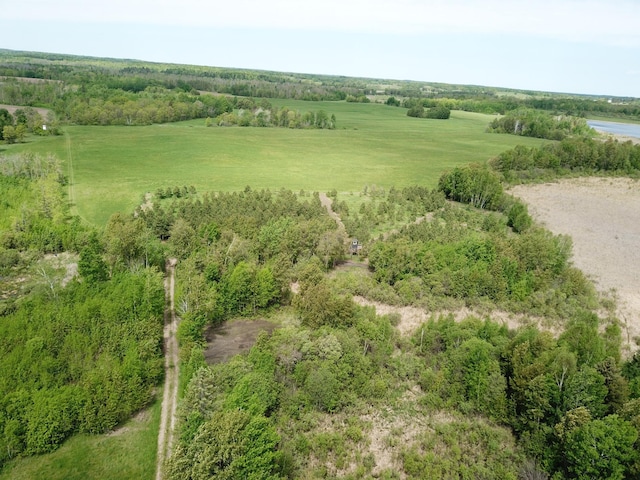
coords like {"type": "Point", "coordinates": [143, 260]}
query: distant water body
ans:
{"type": "Point", "coordinates": [626, 129]}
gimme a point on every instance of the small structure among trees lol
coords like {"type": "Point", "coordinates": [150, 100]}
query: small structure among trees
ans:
{"type": "Point", "coordinates": [355, 247]}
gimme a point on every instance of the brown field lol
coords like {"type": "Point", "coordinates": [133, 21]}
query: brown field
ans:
{"type": "Point", "coordinates": [602, 216]}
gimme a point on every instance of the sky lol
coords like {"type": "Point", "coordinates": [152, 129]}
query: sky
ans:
{"type": "Point", "coordinates": [571, 46]}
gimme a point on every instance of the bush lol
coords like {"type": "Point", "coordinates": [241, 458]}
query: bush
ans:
{"type": "Point", "coordinates": [440, 112]}
{"type": "Point", "coordinates": [518, 217]}
{"type": "Point", "coordinates": [474, 184]}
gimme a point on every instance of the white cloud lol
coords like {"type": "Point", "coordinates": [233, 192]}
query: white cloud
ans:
{"type": "Point", "coordinates": [601, 21]}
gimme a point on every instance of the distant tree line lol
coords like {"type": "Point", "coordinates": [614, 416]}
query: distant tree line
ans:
{"type": "Point", "coordinates": [538, 124]}
{"type": "Point", "coordinates": [570, 156]}
{"type": "Point", "coordinates": [556, 105]}
{"type": "Point", "coordinates": [275, 117]}
{"type": "Point", "coordinates": [117, 107]}
{"type": "Point", "coordinates": [86, 91]}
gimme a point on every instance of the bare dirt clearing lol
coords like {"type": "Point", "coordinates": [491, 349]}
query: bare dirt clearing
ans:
{"type": "Point", "coordinates": [602, 216]}
{"type": "Point", "coordinates": [12, 109]}
{"type": "Point", "coordinates": [232, 338]}
{"type": "Point", "coordinates": [412, 317]}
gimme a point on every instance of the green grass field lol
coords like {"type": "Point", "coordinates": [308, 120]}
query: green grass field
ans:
{"type": "Point", "coordinates": [128, 454]}
{"type": "Point", "coordinates": [112, 167]}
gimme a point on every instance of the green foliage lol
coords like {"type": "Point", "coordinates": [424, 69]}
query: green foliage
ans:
{"type": "Point", "coordinates": [6, 119]}
{"type": "Point", "coordinates": [452, 257]}
{"type": "Point", "coordinates": [439, 112]}
{"type": "Point", "coordinates": [91, 265]}
{"type": "Point", "coordinates": [34, 212]}
{"type": "Point", "coordinates": [233, 444]}
{"type": "Point", "coordinates": [246, 289]}
{"type": "Point", "coordinates": [252, 115]}
{"type": "Point", "coordinates": [518, 217]}
{"type": "Point", "coordinates": [631, 372]}
{"type": "Point", "coordinates": [358, 99]}
{"type": "Point", "coordinates": [601, 449]}
{"type": "Point", "coordinates": [468, 355]}
{"type": "Point", "coordinates": [393, 101]}
{"type": "Point", "coordinates": [573, 155]}
{"type": "Point", "coordinates": [533, 123]}
{"type": "Point", "coordinates": [84, 362]}
{"type": "Point", "coordinates": [323, 388]}
{"type": "Point", "coordinates": [474, 184]}
{"type": "Point", "coordinates": [131, 453]}
{"type": "Point", "coordinates": [416, 111]}
{"type": "Point", "coordinates": [319, 306]}
{"type": "Point", "coordinates": [471, 450]}
{"type": "Point", "coordinates": [582, 337]}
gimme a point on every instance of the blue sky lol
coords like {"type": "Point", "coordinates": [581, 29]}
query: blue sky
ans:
{"type": "Point", "coordinates": [573, 46]}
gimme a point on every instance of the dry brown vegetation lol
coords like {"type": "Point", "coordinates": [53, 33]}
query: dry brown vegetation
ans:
{"type": "Point", "coordinates": [602, 216]}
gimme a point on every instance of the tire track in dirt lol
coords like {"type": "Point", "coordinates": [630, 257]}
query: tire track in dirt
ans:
{"type": "Point", "coordinates": [327, 203]}
{"type": "Point", "coordinates": [171, 373]}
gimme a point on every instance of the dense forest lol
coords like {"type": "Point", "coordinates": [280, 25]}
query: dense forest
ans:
{"type": "Point", "coordinates": [336, 391]}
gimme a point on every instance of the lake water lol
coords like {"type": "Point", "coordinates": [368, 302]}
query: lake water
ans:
{"type": "Point", "coordinates": [626, 129]}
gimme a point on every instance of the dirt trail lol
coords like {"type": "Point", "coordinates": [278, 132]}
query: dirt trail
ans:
{"type": "Point", "coordinates": [326, 203]}
{"type": "Point", "coordinates": [171, 373]}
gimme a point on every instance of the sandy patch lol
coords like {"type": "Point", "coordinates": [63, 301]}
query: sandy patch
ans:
{"type": "Point", "coordinates": [234, 337]}
{"type": "Point", "coordinates": [67, 261]}
{"type": "Point", "coordinates": [602, 215]}
{"type": "Point", "coordinates": [618, 137]}
{"type": "Point", "coordinates": [12, 109]}
{"type": "Point", "coordinates": [412, 317]}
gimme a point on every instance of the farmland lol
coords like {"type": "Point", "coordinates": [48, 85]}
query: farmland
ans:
{"type": "Point", "coordinates": [373, 145]}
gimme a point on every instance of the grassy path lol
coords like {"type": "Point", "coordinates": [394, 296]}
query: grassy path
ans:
{"type": "Point", "coordinates": [170, 396]}
{"type": "Point", "coordinates": [72, 179]}
{"type": "Point", "coordinates": [72, 200]}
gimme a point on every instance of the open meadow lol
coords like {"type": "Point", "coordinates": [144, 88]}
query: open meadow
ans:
{"type": "Point", "coordinates": [112, 167]}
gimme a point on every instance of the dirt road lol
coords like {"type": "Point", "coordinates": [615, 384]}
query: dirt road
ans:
{"type": "Point", "coordinates": [170, 395]}
{"type": "Point", "coordinates": [327, 203]}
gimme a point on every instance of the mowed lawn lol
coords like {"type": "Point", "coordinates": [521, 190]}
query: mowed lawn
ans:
{"type": "Point", "coordinates": [373, 144]}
